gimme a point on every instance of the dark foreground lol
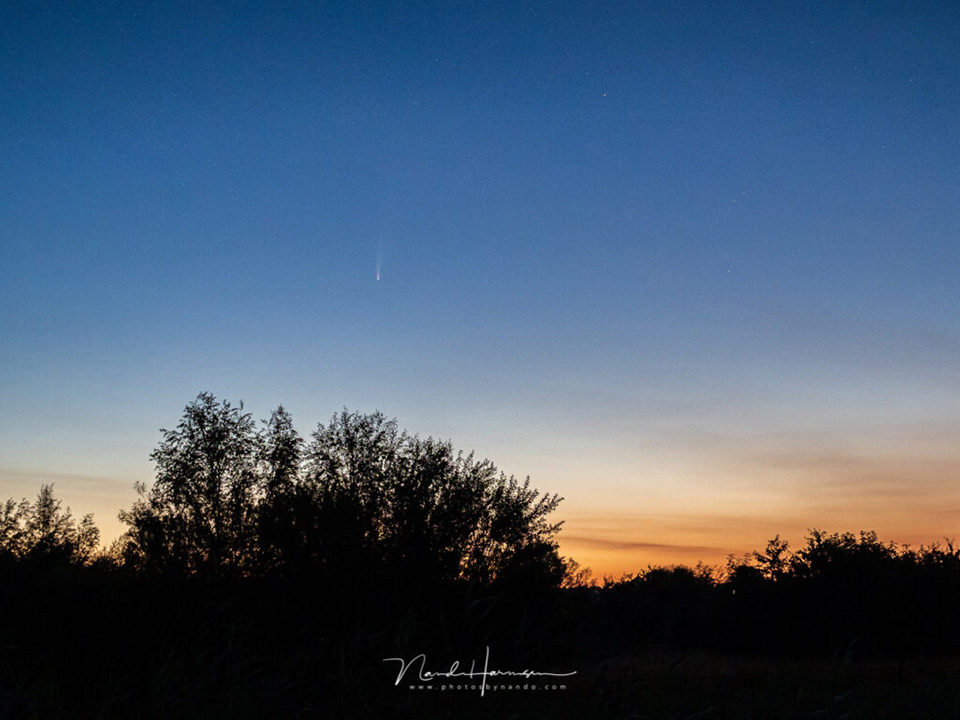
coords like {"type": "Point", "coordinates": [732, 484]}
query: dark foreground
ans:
{"type": "Point", "coordinates": [104, 644]}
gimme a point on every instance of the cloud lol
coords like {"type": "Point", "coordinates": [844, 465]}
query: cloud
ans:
{"type": "Point", "coordinates": [31, 480]}
{"type": "Point", "coordinates": [630, 545]}
{"type": "Point", "coordinates": [893, 481]}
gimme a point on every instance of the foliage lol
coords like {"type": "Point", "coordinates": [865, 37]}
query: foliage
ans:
{"type": "Point", "coordinates": [42, 532]}
{"type": "Point", "coordinates": [199, 514]}
{"type": "Point", "coordinates": [361, 496]}
{"type": "Point", "coordinates": [371, 496]}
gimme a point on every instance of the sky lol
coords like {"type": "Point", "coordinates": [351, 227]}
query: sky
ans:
{"type": "Point", "coordinates": [694, 266]}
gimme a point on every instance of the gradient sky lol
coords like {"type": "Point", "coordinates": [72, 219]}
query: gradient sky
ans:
{"type": "Point", "coordinates": [695, 266]}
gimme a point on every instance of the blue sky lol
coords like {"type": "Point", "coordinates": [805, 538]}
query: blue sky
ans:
{"type": "Point", "coordinates": [673, 260]}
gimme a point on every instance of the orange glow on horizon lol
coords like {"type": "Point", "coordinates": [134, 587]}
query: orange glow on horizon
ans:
{"type": "Point", "coordinates": [617, 545]}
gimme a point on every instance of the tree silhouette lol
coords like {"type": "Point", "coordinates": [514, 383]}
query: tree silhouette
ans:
{"type": "Point", "coordinates": [42, 532]}
{"type": "Point", "coordinates": [773, 561]}
{"type": "Point", "coordinates": [281, 449]}
{"type": "Point", "coordinates": [280, 459]}
{"type": "Point", "coordinates": [374, 494]}
{"type": "Point", "coordinates": [361, 496]}
{"type": "Point", "coordinates": [199, 514]}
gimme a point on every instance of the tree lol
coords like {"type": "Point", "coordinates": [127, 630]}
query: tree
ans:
{"type": "Point", "coordinates": [774, 560]}
{"type": "Point", "coordinates": [837, 554]}
{"type": "Point", "coordinates": [42, 532]}
{"type": "Point", "coordinates": [280, 459]}
{"type": "Point", "coordinates": [281, 450]}
{"type": "Point", "coordinates": [417, 506]}
{"type": "Point", "coordinates": [361, 496]}
{"type": "Point", "coordinates": [13, 531]}
{"type": "Point", "coordinates": [199, 514]}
